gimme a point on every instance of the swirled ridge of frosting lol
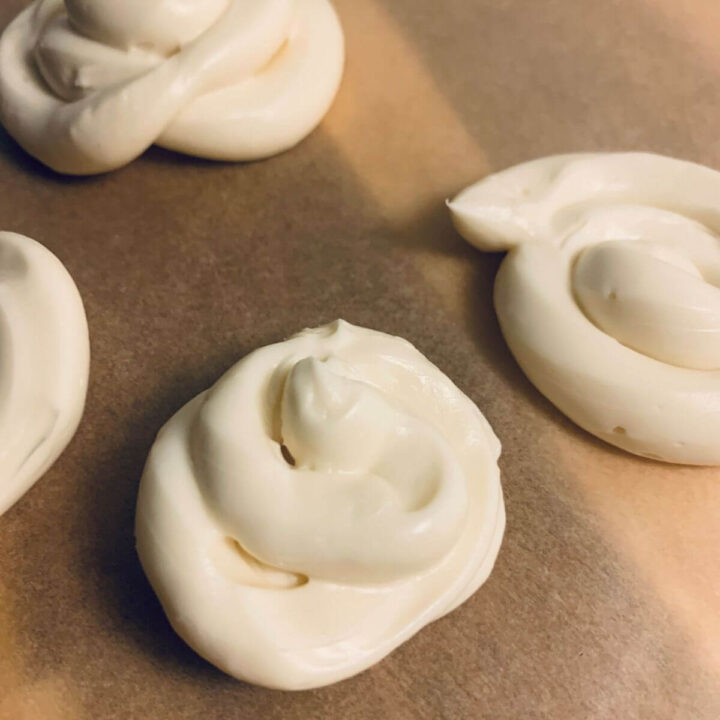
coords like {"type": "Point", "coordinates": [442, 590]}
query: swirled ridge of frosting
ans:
{"type": "Point", "coordinates": [44, 361]}
{"type": "Point", "coordinates": [328, 497]}
{"type": "Point", "coordinates": [86, 86]}
{"type": "Point", "coordinates": [609, 297]}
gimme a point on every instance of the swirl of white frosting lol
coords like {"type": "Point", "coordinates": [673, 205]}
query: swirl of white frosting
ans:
{"type": "Point", "coordinates": [44, 362]}
{"type": "Point", "coordinates": [327, 498]}
{"type": "Point", "coordinates": [88, 85]}
{"type": "Point", "coordinates": [609, 297]}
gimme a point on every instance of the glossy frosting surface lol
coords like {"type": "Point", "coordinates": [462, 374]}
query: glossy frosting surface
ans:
{"type": "Point", "coordinates": [610, 295]}
{"type": "Point", "coordinates": [44, 360]}
{"type": "Point", "coordinates": [326, 499]}
{"type": "Point", "coordinates": [88, 85]}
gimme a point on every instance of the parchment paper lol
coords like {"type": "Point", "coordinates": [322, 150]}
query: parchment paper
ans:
{"type": "Point", "coordinates": [605, 602]}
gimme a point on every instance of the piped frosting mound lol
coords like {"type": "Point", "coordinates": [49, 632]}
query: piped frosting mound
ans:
{"type": "Point", "coordinates": [328, 497]}
{"type": "Point", "coordinates": [44, 363]}
{"type": "Point", "coordinates": [609, 297]}
{"type": "Point", "coordinates": [86, 86]}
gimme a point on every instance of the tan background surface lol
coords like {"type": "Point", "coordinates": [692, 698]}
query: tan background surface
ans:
{"type": "Point", "coordinates": [605, 602]}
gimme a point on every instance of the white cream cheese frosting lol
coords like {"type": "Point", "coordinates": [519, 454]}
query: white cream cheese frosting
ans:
{"type": "Point", "coordinates": [609, 297]}
{"type": "Point", "coordinates": [44, 361]}
{"type": "Point", "coordinates": [322, 502]}
{"type": "Point", "coordinates": [86, 86]}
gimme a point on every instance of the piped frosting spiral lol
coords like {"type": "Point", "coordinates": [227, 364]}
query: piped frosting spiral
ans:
{"type": "Point", "coordinates": [609, 297]}
{"type": "Point", "coordinates": [86, 86]}
{"type": "Point", "coordinates": [328, 497]}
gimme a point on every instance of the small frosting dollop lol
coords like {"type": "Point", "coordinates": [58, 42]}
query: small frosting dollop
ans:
{"type": "Point", "coordinates": [44, 363]}
{"type": "Point", "coordinates": [609, 297]}
{"type": "Point", "coordinates": [88, 85]}
{"type": "Point", "coordinates": [326, 499]}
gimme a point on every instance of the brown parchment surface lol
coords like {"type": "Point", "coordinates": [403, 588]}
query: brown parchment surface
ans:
{"type": "Point", "coordinates": [605, 602]}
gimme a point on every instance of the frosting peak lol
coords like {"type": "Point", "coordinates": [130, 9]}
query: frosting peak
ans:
{"type": "Point", "coordinates": [331, 422]}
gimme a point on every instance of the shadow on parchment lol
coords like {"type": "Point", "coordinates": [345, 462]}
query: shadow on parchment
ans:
{"type": "Point", "coordinates": [432, 231]}
{"type": "Point", "coordinates": [125, 592]}
{"type": "Point", "coordinates": [154, 155]}
{"type": "Point", "coordinates": [28, 165]}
